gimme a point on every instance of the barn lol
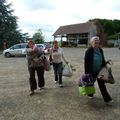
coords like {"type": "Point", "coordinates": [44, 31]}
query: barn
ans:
{"type": "Point", "coordinates": [79, 34]}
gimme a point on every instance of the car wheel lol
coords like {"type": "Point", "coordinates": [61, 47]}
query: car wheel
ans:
{"type": "Point", "coordinates": [7, 54]}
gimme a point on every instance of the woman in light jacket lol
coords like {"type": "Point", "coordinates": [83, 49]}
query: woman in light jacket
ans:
{"type": "Point", "coordinates": [57, 57]}
{"type": "Point", "coordinates": [93, 62]}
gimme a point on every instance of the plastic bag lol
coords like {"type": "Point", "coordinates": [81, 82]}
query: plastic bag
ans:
{"type": "Point", "coordinates": [87, 90]}
{"type": "Point", "coordinates": [86, 80]}
{"type": "Point", "coordinates": [67, 71]}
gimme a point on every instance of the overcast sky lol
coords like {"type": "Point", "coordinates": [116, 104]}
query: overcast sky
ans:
{"type": "Point", "coordinates": [48, 15]}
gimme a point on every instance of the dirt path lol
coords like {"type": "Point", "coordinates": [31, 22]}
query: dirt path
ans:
{"type": "Point", "coordinates": [55, 103]}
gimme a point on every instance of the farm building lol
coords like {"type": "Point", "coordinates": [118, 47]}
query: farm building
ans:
{"type": "Point", "coordinates": [80, 34]}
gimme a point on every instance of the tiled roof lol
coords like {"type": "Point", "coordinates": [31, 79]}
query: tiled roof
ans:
{"type": "Point", "coordinates": [74, 28]}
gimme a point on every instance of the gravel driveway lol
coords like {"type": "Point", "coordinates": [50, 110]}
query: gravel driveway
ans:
{"type": "Point", "coordinates": [54, 103]}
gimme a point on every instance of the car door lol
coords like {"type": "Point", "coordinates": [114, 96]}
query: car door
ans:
{"type": "Point", "coordinates": [23, 48]}
{"type": "Point", "coordinates": [16, 50]}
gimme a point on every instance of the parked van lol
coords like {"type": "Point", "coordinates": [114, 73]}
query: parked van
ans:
{"type": "Point", "coordinates": [19, 49]}
{"type": "Point", "coordinates": [16, 50]}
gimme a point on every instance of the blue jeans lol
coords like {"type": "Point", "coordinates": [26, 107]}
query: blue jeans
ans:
{"type": "Point", "coordinates": [57, 67]}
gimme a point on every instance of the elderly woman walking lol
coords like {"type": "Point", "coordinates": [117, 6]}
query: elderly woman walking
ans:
{"type": "Point", "coordinates": [93, 62]}
{"type": "Point", "coordinates": [35, 59]}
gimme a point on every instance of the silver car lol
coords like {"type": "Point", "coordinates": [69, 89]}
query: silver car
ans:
{"type": "Point", "coordinates": [16, 50]}
{"type": "Point", "coordinates": [44, 47]}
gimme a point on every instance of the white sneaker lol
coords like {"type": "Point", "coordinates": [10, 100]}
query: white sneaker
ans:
{"type": "Point", "coordinates": [32, 93]}
{"type": "Point", "coordinates": [90, 97]}
{"type": "Point", "coordinates": [111, 101]}
{"type": "Point", "coordinates": [41, 88]}
{"type": "Point", "coordinates": [56, 82]}
{"type": "Point", "coordinates": [60, 85]}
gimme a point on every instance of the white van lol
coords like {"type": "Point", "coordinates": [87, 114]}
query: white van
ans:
{"type": "Point", "coordinates": [16, 50]}
{"type": "Point", "coordinates": [19, 49]}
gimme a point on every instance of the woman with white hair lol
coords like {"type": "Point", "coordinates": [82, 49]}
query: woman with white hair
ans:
{"type": "Point", "coordinates": [93, 62]}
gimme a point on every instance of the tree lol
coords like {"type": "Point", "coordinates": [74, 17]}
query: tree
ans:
{"type": "Point", "coordinates": [8, 24]}
{"type": "Point", "coordinates": [38, 36]}
{"type": "Point", "coordinates": [111, 27]}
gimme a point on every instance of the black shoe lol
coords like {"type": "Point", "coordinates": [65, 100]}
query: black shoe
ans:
{"type": "Point", "coordinates": [90, 97]}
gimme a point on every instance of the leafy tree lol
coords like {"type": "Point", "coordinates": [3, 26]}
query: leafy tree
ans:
{"type": "Point", "coordinates": [38, 36]}
{"type": "Point", "coordinates": [8, 25]}
{"type": "Point", "coordinates": [111, 27]}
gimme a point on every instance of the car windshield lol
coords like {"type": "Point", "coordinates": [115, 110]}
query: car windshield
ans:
{"type": "Point", "coordinates": [48, 45]}
{"type": "Point", "coordinates": [40, 46]}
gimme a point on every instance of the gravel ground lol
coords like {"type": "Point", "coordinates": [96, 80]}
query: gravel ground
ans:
{"type": "Point", "coordinates": [54, 103]}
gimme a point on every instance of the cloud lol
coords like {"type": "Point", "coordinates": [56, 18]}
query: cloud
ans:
{"type": "Point", "coordinates": [38, 4]}
{"type": "Point", "coordinates": [48, 15]}
{"type": "Point", "coordinates": [115, 7]}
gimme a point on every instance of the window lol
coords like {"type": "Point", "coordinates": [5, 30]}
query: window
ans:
{"type": "Point", "coordinates": [16, 47]}
{"type": "Point", "coordinates": [23, 46]}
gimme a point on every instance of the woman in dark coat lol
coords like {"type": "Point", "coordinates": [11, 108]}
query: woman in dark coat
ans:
{"type": "Point", "coordinates": [93, 62]}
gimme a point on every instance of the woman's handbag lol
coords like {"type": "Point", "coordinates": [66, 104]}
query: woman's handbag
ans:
{"type": "Point", "coordinates": [46, 64]}
{"type": "Point", "coordinates": [67, 71]}
{"type": "Point", "coordinates": [105, 74]}
{"type": "Point", "coordinates": [50, 60]}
